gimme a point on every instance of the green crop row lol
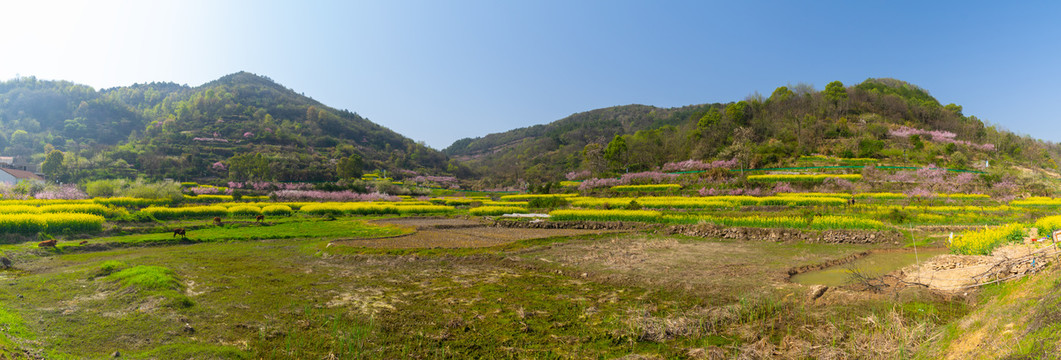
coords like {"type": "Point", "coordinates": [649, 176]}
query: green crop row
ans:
{"type": "Point", "coordinates": [983, 242]}
{"type": "Point", "coordinates": [54, 223]}
{"type": "Point", "coordinates": [496, 210]}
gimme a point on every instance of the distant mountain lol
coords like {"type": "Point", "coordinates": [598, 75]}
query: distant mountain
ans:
{"type": "Point", "coordinates": [241, 126]}
{"type": "Point", "coordinates": [886, 119]}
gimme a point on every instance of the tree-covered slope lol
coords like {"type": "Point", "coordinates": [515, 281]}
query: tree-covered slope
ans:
{"type": "Point", "coordinates": [886, 119]}
{"type": "Point", "coordinates": [241, 127]}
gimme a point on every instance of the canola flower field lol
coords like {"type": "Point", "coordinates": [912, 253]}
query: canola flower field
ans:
{"type": "Point", "coordinates": [995, 222]}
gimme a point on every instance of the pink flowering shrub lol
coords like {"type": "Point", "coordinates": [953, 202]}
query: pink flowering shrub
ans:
{"type": "Point", "coordinates": [939, 136]}
{"type": "Point", "coordinates": [199, 190]}
{"type": "Point", "coordinates": [1005, 190]}
{"type": "Point", "coordinates": [219, 166]}
{"type": "Point", "coordinates": [248, 134]}
{"type": "Point", "coordinates": [837, 185]}
{"type": "Point", "coordinates": [339, 196]}
{"type": "Point", "coordinates": [600, 183]}
{"type": "Point", "coordinates": [754, 192]}
{"type": "Point", "coordinates": [64, 192]}
{"type": "Point", "coordinates": [783, 187]}
{"type": "Point", "coordinates": [691, 165]}
{"type": "Point", "coordinates": [578, 175]}
{"type": "Point", "coordinates": [267, 185]}
{"type": "Point", "coordinates": [652, 177]}
{"type": "Point", "coordinates": [920, 193]}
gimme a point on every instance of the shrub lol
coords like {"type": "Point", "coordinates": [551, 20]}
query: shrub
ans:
{"type": "Point", "coordinates": [896, 216]}
{"type": "Point", "coordinates": [110, 266]}
{"type": "Point", "coordinates": [147, 278]}
{"type": "Point", "coordinates": [548, 202]}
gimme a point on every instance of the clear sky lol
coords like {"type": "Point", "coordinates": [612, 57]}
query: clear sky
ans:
{"type": "Point", "coordinates": [438, 71]}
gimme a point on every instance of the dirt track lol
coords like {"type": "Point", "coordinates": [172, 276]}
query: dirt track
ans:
{"type": "Point", "coordinates": [457, 233]}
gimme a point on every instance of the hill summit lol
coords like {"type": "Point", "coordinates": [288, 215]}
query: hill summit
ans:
{"type": "Point", "coordinates": [886, 120]}
{"type": "Point", "coordinates": [241, 127]}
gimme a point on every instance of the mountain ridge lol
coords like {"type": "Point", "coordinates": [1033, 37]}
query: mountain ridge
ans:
{"type": "Point", "coordinates": [844, 121]}
{"type": "Point", "coordinates": [176, 131]}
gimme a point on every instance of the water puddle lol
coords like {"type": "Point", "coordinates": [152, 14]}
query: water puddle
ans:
{"type": "Point", "coordinates": [873, 265]}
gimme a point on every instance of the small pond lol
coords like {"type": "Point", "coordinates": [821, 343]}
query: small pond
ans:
{"type": "Point", "coordinates": [873, 265]}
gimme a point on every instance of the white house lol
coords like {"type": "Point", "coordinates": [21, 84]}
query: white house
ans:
{"type": "Point", "coordinates": [13, 176]}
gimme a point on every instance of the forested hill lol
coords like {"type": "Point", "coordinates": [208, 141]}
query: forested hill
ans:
{"type": "Point", "coordinates": [884, 119]}
{"type": "Point", "coordinates": [240, 127]}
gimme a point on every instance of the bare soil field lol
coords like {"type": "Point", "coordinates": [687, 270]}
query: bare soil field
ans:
{"type": "Point", "coordinates": [719, 269]}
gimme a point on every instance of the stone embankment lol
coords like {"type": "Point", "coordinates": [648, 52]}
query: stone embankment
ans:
{"type": "Point", "coordinates": [789, 235]}
{"type": "Point", "coordinates": [578, 225]}
{"type": "Point", "coordinates": [718, 232]}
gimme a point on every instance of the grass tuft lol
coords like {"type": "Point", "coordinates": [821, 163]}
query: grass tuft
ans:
{"type": "Point", "coordinates": [147, 277]}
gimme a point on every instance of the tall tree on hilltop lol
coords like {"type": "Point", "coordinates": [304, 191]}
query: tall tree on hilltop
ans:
{"type": "Point", "coordinates": [836, 94]}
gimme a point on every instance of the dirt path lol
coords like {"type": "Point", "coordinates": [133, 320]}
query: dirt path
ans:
{"type": "Point", "coordinates": [457, 233]}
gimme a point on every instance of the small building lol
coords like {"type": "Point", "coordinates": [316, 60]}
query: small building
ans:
{"type": "Point", "coordinates": [13, 176]}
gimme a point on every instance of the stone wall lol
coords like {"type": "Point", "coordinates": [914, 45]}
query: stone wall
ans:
{"type": "Point", "coordinates": [788, 235]}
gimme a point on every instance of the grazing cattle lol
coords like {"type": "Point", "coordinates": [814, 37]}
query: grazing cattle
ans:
{"type": "Point", "coordinates": [259, 218]}
{"type": "Point", "coordinates": [179, 232]}
{"type": "Point", "coordinates": [217, 220]}
{"type": "Point", "coordinates": [48, 243]}
{"type": "Point", "coordinates": [83, 242]}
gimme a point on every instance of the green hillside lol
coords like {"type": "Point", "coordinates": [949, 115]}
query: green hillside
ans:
{"type": "Point", "coordinates": [240, 127]}
{"type": "Point", "coordinates": [884, 119]}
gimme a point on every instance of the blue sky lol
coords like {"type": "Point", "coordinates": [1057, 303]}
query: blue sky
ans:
{"type": "Point", "coordinates": [438, 71]}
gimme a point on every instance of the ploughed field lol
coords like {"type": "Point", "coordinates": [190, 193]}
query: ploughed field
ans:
{"type": "Point", "coordinates": [439, 279]}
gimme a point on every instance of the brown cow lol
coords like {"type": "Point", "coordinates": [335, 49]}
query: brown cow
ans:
{"type": "Point", "coordinates": [47, 243]}
{"type": "Point", "coordinates": [259, 218]}
{"type": "Point", "coordinates": [179, 232]}
{"type": "Point", "coordinates": [217, 220]}
{"type": "Point", "coordinates": [83, 242]}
